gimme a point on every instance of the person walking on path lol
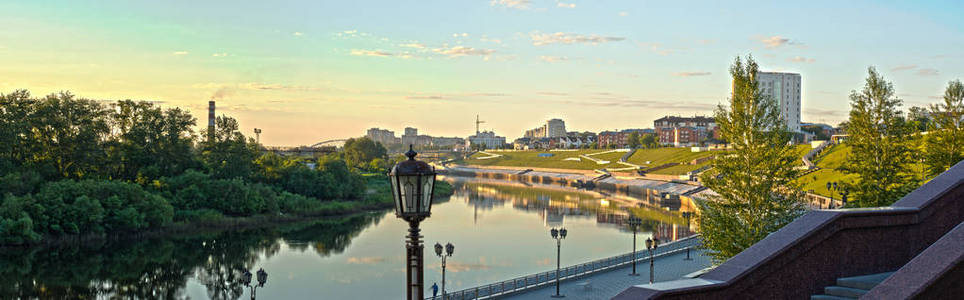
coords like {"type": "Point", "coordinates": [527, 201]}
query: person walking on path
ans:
{"type": "Point", "coordinates": [434, 290]}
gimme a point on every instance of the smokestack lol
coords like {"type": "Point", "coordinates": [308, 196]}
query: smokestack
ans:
{"type": "Point", "coordinates": [211, 120]}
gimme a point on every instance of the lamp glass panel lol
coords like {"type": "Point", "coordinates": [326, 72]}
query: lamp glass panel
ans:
{"type": "Point", "coordinates": [409, 185]}
{"type": "Point", "coordinates": [428, 183]}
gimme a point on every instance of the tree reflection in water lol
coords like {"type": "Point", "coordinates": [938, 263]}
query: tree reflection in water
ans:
{"type": "Point", "coordinates": [160, 268]}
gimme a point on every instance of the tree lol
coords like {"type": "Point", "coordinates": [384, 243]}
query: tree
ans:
{"type": "Point", "coordinates": [648, 140]}
{"type": "Point", "coordinates": [756, 194]}
{"type": "Point", "coordinates": [944, 145]}
{"type": "Point", "coordinates": [633, 140]}
{"type": "Point", "coordinates": [227, 154]}
{"type": "Point", "coordinates": [919, 118]}
{"type": "Point", "coordinates": [361, 151]}
{"type": "Point", "coordinates": [878, 136]}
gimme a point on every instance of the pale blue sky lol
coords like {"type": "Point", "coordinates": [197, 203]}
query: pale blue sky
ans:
{"type": "Point", "coordinates": [309, 70]}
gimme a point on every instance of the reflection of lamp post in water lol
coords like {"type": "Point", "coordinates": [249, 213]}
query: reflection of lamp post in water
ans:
{"type": "Point", "coordinates": [634, 222]}
{"type": "Point", "coordinates": [558, 235]}
{"type": "Point", "coordinates": [449, 250]}
{"type": "Point", "coordinates": [413, 183]}
{"type": "Point", "coordinates": [246, 280]}
{"type": "Point", "coordinates": [688, 215]}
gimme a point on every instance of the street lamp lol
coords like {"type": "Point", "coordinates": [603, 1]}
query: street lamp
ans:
{"type": "Point", "coordinates": [687, 215]}
{"type": "Point", "coordinates": [449, 250]}
{"type": "Point", "coordinates": [246, 280]}
{"type": "Point", "coordinates": [413, 185]}
{"type": "Point", "coordinates": [558, 235]}
{"type": "Point", "coordinates": [634, 222]}
{"type": "Point", "coordinates": [843, 196]}
{"type": "Point", "coordinates": [651, 245]}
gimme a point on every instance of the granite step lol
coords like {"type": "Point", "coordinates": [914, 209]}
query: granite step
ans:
{"type": "Point", "coordinates": [865, 282]}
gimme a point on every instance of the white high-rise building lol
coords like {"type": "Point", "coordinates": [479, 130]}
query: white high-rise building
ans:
{"type": "Point", "coordinates": [784, 88]}
{"type": "Point", "coordinates": [555, 128]}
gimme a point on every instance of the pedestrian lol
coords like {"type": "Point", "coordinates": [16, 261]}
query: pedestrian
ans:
{"type": "Point", "coordinates": [434, 290]}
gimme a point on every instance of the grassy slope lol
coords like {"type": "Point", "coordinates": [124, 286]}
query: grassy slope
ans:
{"type": "Point", "coordinates": [829, 162]}
{"type": "Point", "coordinates": [532, 159]}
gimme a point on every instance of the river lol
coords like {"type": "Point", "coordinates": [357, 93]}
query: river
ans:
{"type": "Point", "coordinates": [500, 230]}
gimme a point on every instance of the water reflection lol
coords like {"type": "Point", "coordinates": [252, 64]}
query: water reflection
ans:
{"type": "Point", "coordinates": [161, 267]}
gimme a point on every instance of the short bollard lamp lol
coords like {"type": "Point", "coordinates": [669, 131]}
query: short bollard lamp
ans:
{"type": "Point", "coordinates": [246, 280]}
{"type": "Point", "coordinates": [651, 245]}
{"type": "Point", "coordinates": [413, 186]}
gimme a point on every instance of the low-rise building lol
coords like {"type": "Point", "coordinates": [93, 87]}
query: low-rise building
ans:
{"type": "Point", "coordinates": [685, 131]}
{"type": "Point", "coordinates": [485, 139]}
{"type": "Point", "coordinates": [620, 138]}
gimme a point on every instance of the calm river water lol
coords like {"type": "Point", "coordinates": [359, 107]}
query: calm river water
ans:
{"type": "Point", "coordinates": [500, 230]}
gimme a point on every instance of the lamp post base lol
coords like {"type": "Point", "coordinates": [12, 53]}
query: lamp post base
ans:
{"type": "Point", "coordinates": [558, 296]}
{"type": "Point", "coordinates": [633, 274]}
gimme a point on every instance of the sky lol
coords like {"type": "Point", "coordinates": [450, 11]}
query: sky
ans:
{"type": "Point", "coordinates": [307, 71]}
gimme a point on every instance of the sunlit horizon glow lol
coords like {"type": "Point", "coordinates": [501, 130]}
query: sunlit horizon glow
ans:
{"type": "Point", "coordinates": [305, 71]}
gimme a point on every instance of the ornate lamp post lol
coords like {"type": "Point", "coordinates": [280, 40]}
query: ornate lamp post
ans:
{"type": "Point", "coordinates": [413, 186]}
{"type": "Point", "coordinates": [651, 245]}
{"type": "Point", "coordinates": [246, 280]}
{"type": "Point", "coordinates": [558, 235]}
{"type": "Point", "coordinates": [449, 250]}
{"type": "Point", "coordinates": [687, 215]}
{"type": "Point", "coordinates": [843, 196]}
{"type": "Point", "coordinates": [634, 222]}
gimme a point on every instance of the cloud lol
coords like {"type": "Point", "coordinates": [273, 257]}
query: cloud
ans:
{"type": "Point", "coordinates": [296, 33]}
{"type": "Point", "coordinates": [566, 5]}
{"type": "Point", "coordinates": [426, 97]}
{"type": "Point", "coordinates": [460, 35]}
{"type": "Point", "coordinates": [413, 45]}
{"type": "Point", "coordinates": [179, 53]}
{"type": "Point", "coordinates": [365, 260]}
{"type": "Point", "coordinates": [517, 4]}
{"type": "Point", "coordinates": [463, 51]}
{"type": "Point", "coordinates": [903, 68]}
{"type": "Point", "coordinates": [657, 48]}
{"type": "Point", "coordinates": [222, 54]}
{"type": "Point", "coordinates": [623, 14]}
{"type": "Point", "coordinates": [541, 39]}
{"type": "Point", "coordinates": [691, 74]}
{"type": "Point", "coordinates": [801, 59]}
{"type": "Point", "coordinates": [777, 41]}
{"type": "Point", "coordinates": [927, 72]}
{"type": "Point", "coordinates": [363, 52]}
{"type": "Point", "coordinates": [552, 59]}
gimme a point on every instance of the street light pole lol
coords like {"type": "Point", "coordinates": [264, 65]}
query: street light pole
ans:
{"type": "Point", "coordinates": [449, 250]}
{"type": "Point", "coordinates": [246, 280]}
{"type": "Point", "coordinates": [651, 245]}
{"type": "Point", "coordinates": [413, 186]}
{"type": "Point", "coordinates": [634, 222]}
{"type": "Point", "coordinates": [558, 235]}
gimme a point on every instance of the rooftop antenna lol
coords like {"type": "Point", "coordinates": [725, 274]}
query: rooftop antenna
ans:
{"type": "Point", "coordinates": [477, 122]}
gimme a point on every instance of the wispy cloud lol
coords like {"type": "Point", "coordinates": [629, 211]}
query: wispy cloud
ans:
{"type": "Point", "coordinates": [463, 51]}
{"type": "Point", "coordinates": [657, 48]}
{"type": "Point", "coordinates": [777, 41]}
{"type": "Point", "coordinates": [927, 72]}
{"type": "Point", "coordinates": [296, 33]}
{"type": "Point", "coordinates": [903, 68]}
{"type": "Point", "coordinates": [552, 59]}
{"type": "Point", "coordinates": [413, 45]}
{"type": "Point", "coordinates": [363, 52]}
{"type": "Point", "coordinates": [542, 39]}
{"type": "Point", "coordinates": [517, 4]}
{"type": "Point", "coordinates": [691, 74]}
{"type": "Point", "coordinates": [179, 53]}
{"type": "Point", "coordinates": [566, 5]}
{"type": "Point", "coordinates": [623, 14]}
{"type": "Point", "coordinates": [365, 260]}
{"type": "Point", "coordinates": [801, 59]}
{"type": "Point", "coordinates": [222, 54]}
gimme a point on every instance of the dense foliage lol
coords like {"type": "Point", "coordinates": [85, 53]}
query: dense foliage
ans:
{"type": "Point", "coordinates": [78, 166]}
{"type": "Point", "coordinates": [754, 183]}
{"type": "Point", "coordinates": [945, 142]}
{"type": "Point", "coordinates": [879, 136]}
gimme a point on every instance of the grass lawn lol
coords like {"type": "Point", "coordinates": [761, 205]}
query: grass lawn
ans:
{"type": "Point", "coordinates": [802, 150]}
{"type": "Point", "coordinates": [661, 156]}
{"type": "Point", "coordinates": [532, 159]}
{"type": "Point", "coordinates": [680, 169]}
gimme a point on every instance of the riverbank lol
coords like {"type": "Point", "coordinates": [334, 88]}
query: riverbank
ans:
{"type": "Point", "coordinates": [377, 197]}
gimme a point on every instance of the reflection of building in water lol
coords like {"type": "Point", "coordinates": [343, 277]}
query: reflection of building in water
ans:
{"type": "Point", "coordinates": [671, 232]}
{"type": "Point", "coordinates": [551, 218]}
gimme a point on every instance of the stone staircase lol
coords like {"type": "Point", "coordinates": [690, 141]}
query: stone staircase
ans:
{"type": "Point", "coordinates": [851, 287]}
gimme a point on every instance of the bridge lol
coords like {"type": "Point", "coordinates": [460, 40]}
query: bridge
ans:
{"type": "Point", "coordinates": [598, 279]}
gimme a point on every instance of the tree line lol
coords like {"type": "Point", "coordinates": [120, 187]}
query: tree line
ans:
{"type": "Point", "coordinates": [755, 189]}
{"type": "Point", "coordinates": [70, 165]}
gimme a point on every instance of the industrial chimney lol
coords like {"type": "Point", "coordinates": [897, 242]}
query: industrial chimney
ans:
{"type": "Point", "coordinates": [211, 120]}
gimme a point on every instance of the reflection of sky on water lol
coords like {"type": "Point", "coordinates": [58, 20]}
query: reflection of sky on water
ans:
{"type": "Point", "coordinates": [500, 231]}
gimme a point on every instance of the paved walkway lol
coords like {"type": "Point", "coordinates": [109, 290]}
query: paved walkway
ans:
{"type": "Point", "coordinates": [606, 285]}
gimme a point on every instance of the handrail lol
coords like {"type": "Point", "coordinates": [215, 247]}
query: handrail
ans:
{"type": "Point", "coordinates": [541, 279]}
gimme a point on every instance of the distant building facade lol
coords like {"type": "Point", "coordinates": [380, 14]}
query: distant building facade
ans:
{"type": "Point", "coordinates": [386, 137]}
{"type": "Point", "coordinates": [486, 139]}
{"type": "Point", "coordinates": [685, 131]}
{"type": "Point", "coordinates": [784, 88]}
{"type": "Point", "coordinates": [554, 128]}
{"type": "Point", "coordinates": [607, 139]}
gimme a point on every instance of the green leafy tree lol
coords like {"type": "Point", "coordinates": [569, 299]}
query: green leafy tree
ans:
{"type": "Point", "coordinates": [754, 184]}
{"type": "Point", "coordinates": [878, 137]}
{"type": "Point", "coordinates": [633, 140]}
{"type": "Point", "coordinates": [648, 140]}
{"type": "Point", "coordinates": [227, 154]}
{"type": "Point", "coordinates": [68, 135]}
{"type": "Point", "coordinates": [944, 145]}
{"type": "Point", "coordinates": [361, 151]}
{"type": "Point", "coordinates": [919, 118]}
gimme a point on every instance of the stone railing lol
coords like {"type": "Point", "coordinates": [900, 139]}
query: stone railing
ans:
{"type": "Point", "coordinates": [808, 254]}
